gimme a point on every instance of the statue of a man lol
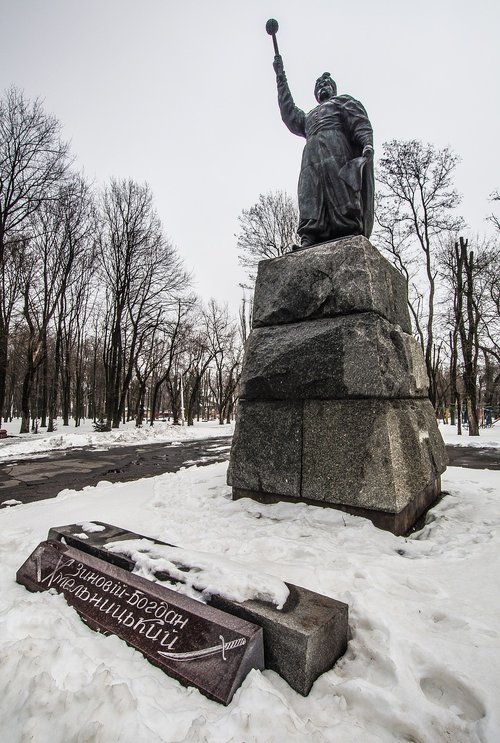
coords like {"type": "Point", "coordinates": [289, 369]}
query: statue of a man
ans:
{"type": "Point", "coordinates": [336, 187]}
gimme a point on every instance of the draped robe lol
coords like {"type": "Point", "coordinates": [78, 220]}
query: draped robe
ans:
{"type": "Point", "coordinates": [336, 185]}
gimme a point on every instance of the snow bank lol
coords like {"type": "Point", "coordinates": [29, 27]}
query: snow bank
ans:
{"type": "Point", "coordinates": [423, 661]}
{"type": "Point", "coordinates": [488, 437]}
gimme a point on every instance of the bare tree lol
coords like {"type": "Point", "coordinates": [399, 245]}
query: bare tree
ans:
{"type": "Point", "coordinates": [417, 197]}
{"type": "Point", "coordinates": [493, 218]}
{"type": "Point", "coordinates": [491, 377]}
{"type": "Point", "coordinates": [467, 275]}
{"type": "Point", "coordinates": [142, 272]}
{"type": "Point", "coordinates": [222, 335]}
{"type": "Point", "coordinates": [171, 346]}
{"type": "Point", "coordinates": [468, 316]}
{"type": "Point", "coordinates": [490, 326]}
{"type": "Point", "coordinates": [394, 240]}
{"type": "Point", "coordinates": [150, 353]}
{"type": "Point", "coordinates": [199, 355]}
{"type": "Point", "coordinates": [33, 161]}
{"type": "Point", "coordinates": [76, 298]}
{"type": "Point", "coordinates": [491, 342]}
{"type": "Point", "coordinates": [267, 230]}
{"type": "Point", "coordinates": [56, 243]}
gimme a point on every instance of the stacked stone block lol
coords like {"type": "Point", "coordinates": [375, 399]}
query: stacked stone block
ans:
{"type": "Point", "coordinates": [333, 407]}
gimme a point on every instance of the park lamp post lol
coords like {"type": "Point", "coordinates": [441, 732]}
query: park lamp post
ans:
{"type": "Point", "coordinates": [182, 400]}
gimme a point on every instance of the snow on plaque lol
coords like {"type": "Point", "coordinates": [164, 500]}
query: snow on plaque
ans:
{"type": "Point", "coordinates": [196, 644]}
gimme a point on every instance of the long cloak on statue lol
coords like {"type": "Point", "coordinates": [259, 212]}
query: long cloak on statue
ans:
{"type": "Point", "coordinates": [336, 184]}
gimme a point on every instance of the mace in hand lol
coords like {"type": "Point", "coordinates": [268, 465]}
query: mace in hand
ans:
{"type": "Point", "coordinates": [336, 184]}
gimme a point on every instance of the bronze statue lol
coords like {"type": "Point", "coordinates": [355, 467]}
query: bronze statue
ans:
{"type": "Point", "coordinates": [336, 185]}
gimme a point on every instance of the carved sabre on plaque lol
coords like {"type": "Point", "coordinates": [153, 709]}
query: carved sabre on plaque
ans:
{"type": "Point", "coordinates": [224, 646]}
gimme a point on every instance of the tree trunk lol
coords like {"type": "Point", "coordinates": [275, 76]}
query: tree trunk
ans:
{"type": "Point", "coordinates": [468, 320]}
{"type": "Point", "coordinates": [54, 390]}
{"type": "Point", "coordinates": [26, 396]}
{"type": "Point", "coordinates": [44, 397]}
{"type": "Point", "coordinates": [154, 402]}
{"type": "Point", "coordinates": [66, 390]}
{"type": "Point", "coordinates": [4, 340]}
{"type": "Point", "coordinates": [78, 401]}
{"type": "Point", "coordinates": [139, 408]}
{"type": "Point", "coordinates": [472, 414]}
{"type": "Point", "coordinates": [174, 400]}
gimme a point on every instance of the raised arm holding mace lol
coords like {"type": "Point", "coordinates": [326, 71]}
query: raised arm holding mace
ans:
{"type": "Point", "coordinates": [336, 185]}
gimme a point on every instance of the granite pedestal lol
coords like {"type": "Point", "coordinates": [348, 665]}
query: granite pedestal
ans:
{"type": "Point", "coordinates": [333, 406]}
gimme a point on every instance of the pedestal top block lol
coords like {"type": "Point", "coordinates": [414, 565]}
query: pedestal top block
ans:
{"type": "Point", "coordinates": [335, 278]}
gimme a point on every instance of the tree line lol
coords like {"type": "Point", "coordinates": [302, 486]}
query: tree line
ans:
{"type": "Point", "coordinates": [453, 279]}
{"type": "Point", "coordinates": [96, 315]}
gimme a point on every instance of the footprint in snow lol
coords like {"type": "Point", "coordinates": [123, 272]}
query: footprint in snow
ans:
{"type": "Point", "coordinates": [445, 690]}
{"type": "Point", "coordinates": [422, 586]}
{"type": "Point", "coordinates": [363, 623]}
{"type": "Point", "coordinates": [448, 621]}
{"type": "Point", "coordinates": [360, 578]}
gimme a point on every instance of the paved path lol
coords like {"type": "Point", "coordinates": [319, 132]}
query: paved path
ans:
{"type": "Point", "coordinates": [475, 457]}
{"type": "Point", "coordinates": [36, 479]}
{"type": "Point", "coordinates": [30, 480]}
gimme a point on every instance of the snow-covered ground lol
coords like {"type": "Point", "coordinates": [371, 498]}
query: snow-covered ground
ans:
{"type": "Point", "coordinates": [423, 662]}
{"type": "Point", "coordinates": [488, 437]}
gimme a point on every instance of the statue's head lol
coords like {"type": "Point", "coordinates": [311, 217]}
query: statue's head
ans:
{"type": "Point", "coordinates": [325, 88]}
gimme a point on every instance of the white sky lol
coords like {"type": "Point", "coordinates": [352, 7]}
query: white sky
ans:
{"type": "Point", "coordinates": [182, 95]}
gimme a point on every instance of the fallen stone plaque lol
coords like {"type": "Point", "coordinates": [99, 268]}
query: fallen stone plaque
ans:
{"type": "Point", "coordinates": [196, 644]}
{"type": "Point", "coordinates": [301, 641]}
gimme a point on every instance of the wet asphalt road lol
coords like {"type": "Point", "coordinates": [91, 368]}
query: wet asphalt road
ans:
{"type": "Point", "coordinates": [477, 458]}
{"type": "Point", "coordinates": [31, 480]}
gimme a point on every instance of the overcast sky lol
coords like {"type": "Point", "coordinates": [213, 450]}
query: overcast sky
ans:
{"type": "Point", "coordinates": [182, 94]}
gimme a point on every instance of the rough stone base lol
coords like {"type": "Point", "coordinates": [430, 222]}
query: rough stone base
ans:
{"type": "Point", "coordinates": [354, 356]}
{"type": "Point", "coordinates": [368, 456]}
{"type": "Point", "coordinates": [374, 454]}
{"type": "Point", "coordinates": [398, 523]}
{"type": "Point", "coordinates": [335, 278]}
{"type": "Point", "coordinates": [333, 406]}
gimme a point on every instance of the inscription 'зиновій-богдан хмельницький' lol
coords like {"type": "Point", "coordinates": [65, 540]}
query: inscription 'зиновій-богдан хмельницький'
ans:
{"type": "Point", "coordinates": [195, 643]}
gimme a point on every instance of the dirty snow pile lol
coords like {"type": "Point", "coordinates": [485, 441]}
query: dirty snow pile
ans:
{"type": "Point", "coordinates": [67, 437]}
{"type": "Point", "coordinates": [423, 661]}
